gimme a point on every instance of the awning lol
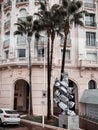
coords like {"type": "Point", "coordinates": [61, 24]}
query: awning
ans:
{"type": "Point", "coordinates": [89, 96]}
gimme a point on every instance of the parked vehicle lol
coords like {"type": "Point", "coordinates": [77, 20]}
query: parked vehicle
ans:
{"type": "Point", "coordinates": [8, 116]}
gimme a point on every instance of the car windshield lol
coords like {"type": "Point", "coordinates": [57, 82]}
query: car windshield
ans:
{"type": "Point", "coordinates": [11, 112]}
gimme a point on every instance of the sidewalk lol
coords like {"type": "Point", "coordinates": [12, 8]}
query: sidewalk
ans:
{"type": "Point", "coordinates": [38, 126]}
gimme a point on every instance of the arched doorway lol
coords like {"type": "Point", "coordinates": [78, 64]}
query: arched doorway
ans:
{"type": "Point", "coordinates": [21, 95]}
{"type": "Point", "coordinates": [57, 110]}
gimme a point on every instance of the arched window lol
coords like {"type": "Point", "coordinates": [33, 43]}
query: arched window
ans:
{"type": "Point", "coordinates": [8, 16]}
{"type": "Point", "coordinates": [23, 12]}
{"type": "Point", "coordinates": [92, 84]}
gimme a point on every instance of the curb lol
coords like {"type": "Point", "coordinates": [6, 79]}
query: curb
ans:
{"type": "Point", "coordinates": [27, 122]}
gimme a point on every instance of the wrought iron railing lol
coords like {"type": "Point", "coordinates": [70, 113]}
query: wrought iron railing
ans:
{"type": "Point", "coordinates": [7, 24]}
{"type": "Point", "coordinates": [7, 4]}
{"type": "Point", "coordinates": [90, 5]}
{"type": "Point", "coordinates": [91, 24]}
{"type": "Point", "coordinates": [6, 43]}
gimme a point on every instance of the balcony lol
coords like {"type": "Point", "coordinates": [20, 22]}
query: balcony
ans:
{"type": "Point", "coordinates": [6, 43]}
{"type": "Point", "coordinates": [7, 24]}
{"type": "Point", "coordinates": [21, 40]}
{"type": "Point", "coordinates": [22, 2]}
{"type": "Point", "coordinates": [23, 61]}
{"type": "Point", "coordinates": [69, 43]}
{"type": "Point", "coordinates": [88, 64]}
{"type": "Point", "coordinates": [90, 24]}
{"type": "Point", "coordinates": [91, 44]}
{"type": "Point", "coordinates": [21, 18]}
{"type": "Point", "coordinates": [37, 2]}
{"type": "Point", "coordinates": [67, 62]}
{"type": "Point", "coordinates": [7, 6]}
{"type": "Point", "coordinates": [90, 5]}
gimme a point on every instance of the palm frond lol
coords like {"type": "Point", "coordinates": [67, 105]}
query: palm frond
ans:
{"type": "Point", "coordinates": [79, 4]}
{"type": "Point", "coordinates": [72, 8]}
{"type": "Point", "coordinates": [29, 18]}
{"type": "Point", "coordinates": [65, 3]}
{"type": "Point", "coordinates": [37, 36]}
{"type": "Point", "coordinates": [18, 32]}
{"type": "Point", "coordinates": [21, 27]}
{"type": "Point", "coordinates": [42, 5]}
{"type": "Point", "coordinates": [84, 12]}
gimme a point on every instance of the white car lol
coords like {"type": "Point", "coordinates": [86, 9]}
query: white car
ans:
{"type": "Point", "coordinates": [8, 116]}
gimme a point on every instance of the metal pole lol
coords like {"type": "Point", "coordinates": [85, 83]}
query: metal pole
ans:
{"type": "Point", "coordinates": [43, 118]}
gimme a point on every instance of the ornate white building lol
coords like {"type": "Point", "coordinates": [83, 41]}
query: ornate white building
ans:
{"type": "Point", "coordinates": [81, 60]}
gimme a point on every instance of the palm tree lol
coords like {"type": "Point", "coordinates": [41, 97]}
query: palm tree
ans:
{"type": "Point", "coordinates": [50, 23]}
{"type": "Point", "coordinates": [28, 27]}
{"type": "Point", "coordinates": [73, 14]}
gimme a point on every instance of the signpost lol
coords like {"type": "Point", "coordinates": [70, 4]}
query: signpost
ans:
{"type": "Point", "coordinates": [43, 117]}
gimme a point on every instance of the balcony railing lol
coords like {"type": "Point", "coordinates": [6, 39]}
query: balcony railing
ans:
{"type": "Point", "coordinates": [7, 24]}
{"type": "Point", "coordinates": [88, 63]}
{"type": "Point", "coordinates": [91, 44]}
{"type": "Point", "coordinates": [7, 5]}
{"type": "Point", "coordinates": [67, 62]}
{"type": "Point", "coordinates": [21, 40]}
{"type": "Point", "coordinates": [22, 2]}
{"type": "Point", "coordinates": [23, 61]}
{"type": "Point", "coordinates": [68, 42]}
{"type": "Point", "coordinates": [90, 24]}
{"type": "Point", "coordinates": [21, 18]}
{"type": "Point", "coordinates": [37, 1]}
{"type": "Point", "coordinates": [90, 5]}
{"type": "Point", "coordinates": [6, 43]}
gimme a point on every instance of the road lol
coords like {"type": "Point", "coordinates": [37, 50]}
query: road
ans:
{"type": "Point", "coordinates": [13, 127]}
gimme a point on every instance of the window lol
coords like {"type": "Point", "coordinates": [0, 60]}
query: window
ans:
{"type": "Point", "coordinates": [68, 39]}
{"type": "Point", "coordinates": [6, 54]}
{"type": "Point", "coordinates": [8, 21]}
{"type": "Point", "coordinates": [41, 52]}
{"type": "Point", "coordinates": [23, 12]}
{"type": "Point", "coordinates": [90, 20]}
{"type": "Point", "coordinates": [8, 16]}
{"type": "Point", "coordinates": [21, 53]}
{"type": "Point", "coordinates": [21, 39]}
{"type": "Point", "coordinates": [67, 55]}
{"type": "Point", "coordinates": [92, 84]}
{"type": "Point", "coordinates": [90, 38]}
{"type": "Point", "coordinates": [90, 3]}
{"type": "Point", "coordinates": [7, 35]}
{"type": "Point", "coordinates": [92, 56]}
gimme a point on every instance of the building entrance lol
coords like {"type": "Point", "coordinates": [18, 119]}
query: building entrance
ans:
{"type": "Point", "coordinates": [21, 95]}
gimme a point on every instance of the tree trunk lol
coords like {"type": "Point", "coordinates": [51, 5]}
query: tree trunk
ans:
{"type": "Point", "coordinates": [51, 54]}
{"type": "Point", "coordinates": [66, 31]}
{"type": "Point", "coordinates": [48, 82]}
{"type": "Point", "coordinates": [30, 111]}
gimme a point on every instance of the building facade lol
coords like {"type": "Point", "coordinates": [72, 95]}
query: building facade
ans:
{"type": "Point", "coordinates": [81, 60]}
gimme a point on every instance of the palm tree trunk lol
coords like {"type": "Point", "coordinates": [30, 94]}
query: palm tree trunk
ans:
{"type": "Point", "coordinates": [66, 31]}
{"type": "Point", "coordinates": [51, 54]}
{"type": "Point", "coordinates": [30, 111]}
{"type": "Point", "coordinates": [48, 81]}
